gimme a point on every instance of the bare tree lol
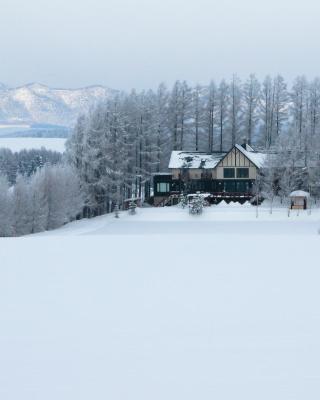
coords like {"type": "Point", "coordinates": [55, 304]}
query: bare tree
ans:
{"type": "Point", "coordinates": [211, 109]}
{"type": "Point", "coordinates": [251, 95]}
{"type": "Point", "coordinates": [235, 109]}
{"type": "Point", "coordinates": [223, 97]}
{"type": "Point", "coordinates": [280, 106]}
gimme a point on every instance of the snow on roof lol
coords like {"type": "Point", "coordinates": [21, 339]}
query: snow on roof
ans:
{"type": "Point", "coordinates": [248, 147]}
{"type": "Point", "coordinates": [299, 193]}
{"type": "Point", "coordinates": [258, 159]}
{"type": "Point", "coordinates": [187, 159]}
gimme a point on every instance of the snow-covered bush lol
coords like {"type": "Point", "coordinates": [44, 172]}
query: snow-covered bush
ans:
{"type": "Point", "coordinates": [183, 201]}
{"type": "Point", "coordinates": [132, 207]}
{"type": "Point", "coordinates": [196, 205]}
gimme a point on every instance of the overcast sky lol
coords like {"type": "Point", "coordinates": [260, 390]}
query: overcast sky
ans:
{"type": "Point", "coordinates": [139, 43]}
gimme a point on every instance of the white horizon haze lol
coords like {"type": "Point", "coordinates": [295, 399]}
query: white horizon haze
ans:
{"type": "Point", "coordinates": [127, 44]}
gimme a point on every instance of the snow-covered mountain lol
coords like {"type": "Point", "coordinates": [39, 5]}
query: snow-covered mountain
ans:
{"type": "Point", "coordinates": [37, 103]}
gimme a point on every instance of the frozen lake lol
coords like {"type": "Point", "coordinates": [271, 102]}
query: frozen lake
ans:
{"type": "Point", "coordinates": [18, 144]}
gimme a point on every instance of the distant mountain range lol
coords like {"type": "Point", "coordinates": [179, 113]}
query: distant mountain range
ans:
{"type": "Point", "coordinates": [39, 104]}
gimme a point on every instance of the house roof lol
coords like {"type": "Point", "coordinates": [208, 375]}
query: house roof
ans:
{"type": "Point", "coordinates": [189, 159]}
{"type": "Point", "coordinates": [198, 160]}
{"type": "Point", "coordinates": [258, 159]}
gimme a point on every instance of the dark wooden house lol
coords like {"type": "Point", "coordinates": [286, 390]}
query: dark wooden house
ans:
{"type": "Point", "coordinates": [223, 175]}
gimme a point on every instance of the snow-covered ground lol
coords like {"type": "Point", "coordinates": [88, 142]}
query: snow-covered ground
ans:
{"type": "Point", "coordinates": [164, 305]}
{"type": "Point", "coordinates": [28, 143]}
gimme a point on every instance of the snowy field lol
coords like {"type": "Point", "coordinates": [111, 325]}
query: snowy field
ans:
{"type": "Point", "coordinates": [164, 306]}
{"type": "Point", "coordinates": [17, 144]}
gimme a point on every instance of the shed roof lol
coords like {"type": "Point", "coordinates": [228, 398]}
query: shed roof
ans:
{"type": "Point", "coordinates": [299, 193]}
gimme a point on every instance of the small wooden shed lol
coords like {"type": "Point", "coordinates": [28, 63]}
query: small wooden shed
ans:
{"type": "Point", "coordinates": [299, 200]}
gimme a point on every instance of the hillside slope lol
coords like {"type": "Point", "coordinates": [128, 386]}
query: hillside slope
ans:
{"type": "Point", "coordinates": [36, 103]}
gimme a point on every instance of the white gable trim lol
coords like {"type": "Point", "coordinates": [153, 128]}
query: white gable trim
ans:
{"type": "Point", "coordinates": [234, 149]}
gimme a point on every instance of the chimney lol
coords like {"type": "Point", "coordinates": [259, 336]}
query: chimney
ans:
{"type": "Point", "coordinates": [244, 143]}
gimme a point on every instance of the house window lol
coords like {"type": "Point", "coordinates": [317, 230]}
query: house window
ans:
{"type": "Point", "coordinates": [242, 172]}
{"type": "Point", "coordinates": [243, 187]}
{"type": "Point", "coordinates": [229, 186]}
{"type": "Point", "coordinates": [228, 172]}
{"type": "Point", "coordinates": [163, 187]}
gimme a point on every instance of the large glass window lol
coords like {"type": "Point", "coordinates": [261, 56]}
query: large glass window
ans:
{"type": "Point", "coordinates": [228, 173]}
{"type": "Point", "coordinates": [163, 187]}
{"type": "Point", "coordinates": [197, 185]}
{"type": "Point", "coordinates": [242, 172]}
{"type": "Point", "coordinates": [229, 186]}
{"type": "Point", "coordinates": [243, 186]}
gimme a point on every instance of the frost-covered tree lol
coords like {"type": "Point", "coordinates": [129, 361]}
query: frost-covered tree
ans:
{"type": "Point", "coordinates": [280, 105]}
{"type": "Point", "coordinates": [267, 110]}
{"type": "Point", "coordinates": [22, 207]}
{"type": "Point", "coordinates": [235, 111]}
{"type": "Point", "coordinates": [299, 99]}
{"type": "Point", "coordinates": [210, 117]}
{"type": "Point", "coordinates": [173, 114]}
{"type": "Point", "coordinates": [290, 162]}
{"type": "Point", "coordinates": [185, 114]}
{"type": "Point", "coordinates": [314, 107]}
{"type": "Point", "coordinates": [179, 115]}
{"type": "Point", "coordinates": [223, 97]}
{"type": "Point", "coordinates": [198, 116]}
{"type": "Point", "coordinates": [25, 162]}
{"type": "Point", "coordinates": [161, 106]}
{"type": "Point", "coordinates": [5, 208]}
{"type": "Point", "coordinates": [39, 201]}
{"type": "Point", "coordinates": [270, 178]}
{"type": "Point", "coordinates": [251, 100]}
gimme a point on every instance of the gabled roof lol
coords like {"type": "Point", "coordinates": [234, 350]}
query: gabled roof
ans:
{"type": "Point", "coordinates": [198, 160]}
{"type": "Point", "coordinates": [258, 159]}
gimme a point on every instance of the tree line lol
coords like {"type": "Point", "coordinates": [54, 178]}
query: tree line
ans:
{"type": "Point", "coordinates": [117, 146]}
{"type": "Point", "coordinates": [46, 200]}
{"type": "Point", "coordinates": [25, 162]}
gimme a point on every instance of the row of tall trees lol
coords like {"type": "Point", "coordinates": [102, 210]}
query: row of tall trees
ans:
{"type": "Point", "coordinates": [117, 146]}
{"type": "Point", "coordinates": [46, 200]}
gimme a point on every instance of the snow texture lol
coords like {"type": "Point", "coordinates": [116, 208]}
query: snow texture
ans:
{"type": "Point", "coordinates": [184, 159]}
{"type": "Point", "coordinates": [36, 103]}
{"type": "Point", "coordinates": [299, 193]}
{"type": "Point", "coordinates": [163, 305]}
{"type": "Point", "coordinates": [258, 159]}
